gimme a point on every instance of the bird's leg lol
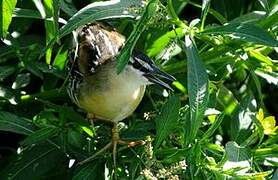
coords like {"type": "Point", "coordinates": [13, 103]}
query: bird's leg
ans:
{"type": "Point", "coordinates": [92, 118]}
{"type": "Point", "coordinates": [115, 141]}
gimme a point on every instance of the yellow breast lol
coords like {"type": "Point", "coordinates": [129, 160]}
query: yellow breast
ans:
{"type": "Point", "coordinates": [110, 96]}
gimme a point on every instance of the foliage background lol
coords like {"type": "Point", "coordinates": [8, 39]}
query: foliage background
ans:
{"type": "Point", "coordinates": [218, 123]}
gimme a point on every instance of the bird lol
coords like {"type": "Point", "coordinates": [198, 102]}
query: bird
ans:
{"type": "Point", "coordinates": [96, 87]}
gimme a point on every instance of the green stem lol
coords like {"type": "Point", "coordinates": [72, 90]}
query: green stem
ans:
{"type": "Point", "coordinates": [216, 14]}
{"type": "Point", "coordinates": [175, 18]}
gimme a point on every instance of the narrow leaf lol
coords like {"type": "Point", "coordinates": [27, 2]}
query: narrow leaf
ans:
{"type": "Point", "coordinates": [252, 17]}
{"type": "Point", "coordinates": [213, 127]}
{"type": "Point", "coordinates": [35, 162]}
{"type": "Point", "coordinates": [27, 13]}
{"type": "Point", "coordinates": [197, 88]}
{"type": "Point", "coordinates": [205, 9]}
{"type": "Point", "coordinates": [40, 135]}
{"type": "Point", "coordinates": [135, 34]}
{"type": "Point", "coordinates": [160, 43]}
{"type": "Point", "coordinates": [271, 20]}
{"type": "Point", "coordinates": [264, 4]}
{"type": "Point", "coordinates": [270, 77]}
{"type": "Point", "coordinates": [51, 27]}
{"type": "Point", "coordinates": [101, 10]}
{"type": "Point", "coordinates": [6, 71]}
{"type": "Point", "coordinates": [6, 11]}
{"type": "Point", "coordinates": [246, 32]}
{"type": "Point", "coordinates": [12, 123]}
{"type": "Point", "coordinates": [91, 171]}
{"type": "Point", "coordinates": [68, 7]}
{"type": "Point", "coordinates": [166, 122]}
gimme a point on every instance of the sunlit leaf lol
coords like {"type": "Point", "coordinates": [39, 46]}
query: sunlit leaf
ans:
{"type": "Point", "coordinates": [237, 157]}
{"type": "Point", "coordinates": [101, 10]}
{"type": "Point", "coordinates": [51, 27]}
{"type": "Point", "coordinates": [160, 43]}
{"type": "Point", "coordinates": [197, 88]}
{"type": "Point", "coordinates": [139, 28]}
{"type": "Point", "coordinates": [60, 59]}
{"type": "Point", "coordinates": [6, 11]}
{"type": "Point", "coordinates": [227, 100]}
{"type": "Point", "coordinates": [247, 32]}
{"type": "Point", "coordinates": [167, 120]}
{"type": "Point", "coordinates": [241, 127]}
{"type": "Point", "coordinates": [270, 77]}
{"type": "Point", "coordinates": [251, 17]}
{"type": "Point", "coordinates": [205, 9]}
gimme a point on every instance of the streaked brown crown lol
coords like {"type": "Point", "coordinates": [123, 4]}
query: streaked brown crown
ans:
{"type": "Point", "coordinates": [96, 44]}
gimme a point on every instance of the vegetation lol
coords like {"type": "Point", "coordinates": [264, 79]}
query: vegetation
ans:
{"type": "Point", "coordinates": [218, 123]}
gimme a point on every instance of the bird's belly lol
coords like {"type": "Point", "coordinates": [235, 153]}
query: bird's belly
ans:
{"type": "Point", "coordinates": [114, 104]}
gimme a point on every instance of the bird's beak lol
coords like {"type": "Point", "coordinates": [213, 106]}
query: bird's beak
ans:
{"type": "Point", "coordinates": [159, 77]}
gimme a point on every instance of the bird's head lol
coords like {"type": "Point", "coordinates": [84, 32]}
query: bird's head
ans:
{"type": "Point", "coordinates": [97, 43]}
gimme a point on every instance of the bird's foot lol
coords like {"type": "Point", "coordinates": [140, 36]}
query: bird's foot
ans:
{"type": "Point", "coordinates": [115, 141]}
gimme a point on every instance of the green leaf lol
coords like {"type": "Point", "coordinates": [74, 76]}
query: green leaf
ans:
{"type": "Point", "coordinates": [246, 32]}
{"type": "Point", "coordinates": [51, 27]}
{"type": "Point", "coordinates": [93, 171]}
{"type": "Point", "coordinates": [260, 57]}
{"type": "Point", "coordinates": [26, 13]}
{"type": "Point", "coordinates": [227, 100]}
{"type": "Point", "coordinates": [6, 11]}
{"type": "Point", "coordinates": [139, 28]}
{"type": "Point", "coordinates": [275, 175]}
{"type": "Point", "coordinates": [35, 162]}
{"type": "Point", "coordinates": [99, 11]}
{"type": "Point", "coordinates": [197, 89]}
{"type": "Point", "coordinates": [49, 69]}
{"type": "Point", "coordinates": [241, 126]}
{"type": "Point", "coordinates": [264, 4]}
{"type": "Point", "coordinates": [61, 58]}
{"type": "Point", "coordinates": [252, 17]}
{"type": "Point", "coordinates": [237, 157]}
{"type": "Point", "coordinates": [171, 155]}
{"type": "Point", "coordinates": [68, 7]}
{"type": "Point", "coordinates": [271, 20]}
{"type": "Point", "coordinates": [33, 68]}
{"type": "Point", "coordinates": [6, 71]}
{"type": "Point", "coordinates": [270, 77]}
{"type": "Point", "coordinates": [166, 122]}
{"type": "Point", "coordinates": [12, 123]}
{"type": "Point", "coordinates": [21, 80]}
{"type": "Point", "coordinates": [160, 43]}
{"type": "Point", "coordinates": [213, 127]}
{"type": "Point", "coordinates": [40, 135]}
{"type": "Point", "coordinates": [205, 9]}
